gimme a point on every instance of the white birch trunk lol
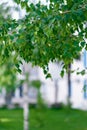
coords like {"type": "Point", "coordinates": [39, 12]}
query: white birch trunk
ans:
{"type": "Point", "coordinates": [25, 103]}
{"type": "Point", "coordinates": [26, 107]}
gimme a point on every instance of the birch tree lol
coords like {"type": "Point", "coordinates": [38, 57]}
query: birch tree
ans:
{"type": "Point", "coordinates": [46, 33]}
{"type": "Point", "coordinates": [25, 96]}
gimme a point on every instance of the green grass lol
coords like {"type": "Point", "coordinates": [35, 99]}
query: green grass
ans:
{"type": "Point", "coordinates": [44, 119]}
{"type": "Point", "coordinates": [11, 119]}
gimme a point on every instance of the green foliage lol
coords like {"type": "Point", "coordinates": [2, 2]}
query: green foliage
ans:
{"type": "Point", "coordinates": [62, 73]}
{"type": "Point", "coordinates": [36, 83]}
{"type": "Point", "coordinates": [9, 59]}
{"type": "Point", "coordinates": [8, 74]}
{"type": "Point", "coordinates": [47, 32]}
{"type": "Point", "coordinates": [82, 72]}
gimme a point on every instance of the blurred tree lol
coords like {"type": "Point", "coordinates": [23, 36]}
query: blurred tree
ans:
{"type": "Point", "coordinates": [37, 84]}
{"type": "Point", "coordinates": [8, 70]}
{"type": "Point", "coordinates": [8, 78]}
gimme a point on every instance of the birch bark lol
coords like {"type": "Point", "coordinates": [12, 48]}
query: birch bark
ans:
{"type": "Point", "coordinates": [26, 103]}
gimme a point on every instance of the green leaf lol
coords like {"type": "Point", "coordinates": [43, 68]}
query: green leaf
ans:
{"type": "Point", "coordinates": [48, 75]}
{"type": "Point", "coordinates": [83, 44]}
{"type": "Point", "coordinates": [17, 65]}
{"type": "Point", "coordinates": [62, 73]}
{"type": "Point", "coordinates": [86, 47]}
{"type": "Point", "coordinates": [83, 72]}
{"type": "Point", "coordinates": [19, 70]}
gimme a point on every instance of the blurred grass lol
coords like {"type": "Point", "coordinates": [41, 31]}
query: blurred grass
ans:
{"type": "Point", "coordinates": [11, 119]}
{"type": "Point", "coordinates": [44, 119]}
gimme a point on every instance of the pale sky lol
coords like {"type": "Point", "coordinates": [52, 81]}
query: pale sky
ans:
{"type": "Point", "coordinates": [15, 14]}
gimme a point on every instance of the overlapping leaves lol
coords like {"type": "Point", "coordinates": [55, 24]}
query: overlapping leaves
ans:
{"type": "Point", "coordinates": [49, 33]}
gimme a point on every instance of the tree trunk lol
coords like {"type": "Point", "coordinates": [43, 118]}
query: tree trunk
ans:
{"type": "Point", "coordinates": [8, 98]}
{"type": "Point", "coordinates": [26, 106]}
{"type": "Point", "coordinates": [56, 91]}
{"type": "Point", "coordinates": [25, 93]}
{"type": "Point", "coordinates": [69, 84]}
{"type": "Point", "coordinates": [25, 103]}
